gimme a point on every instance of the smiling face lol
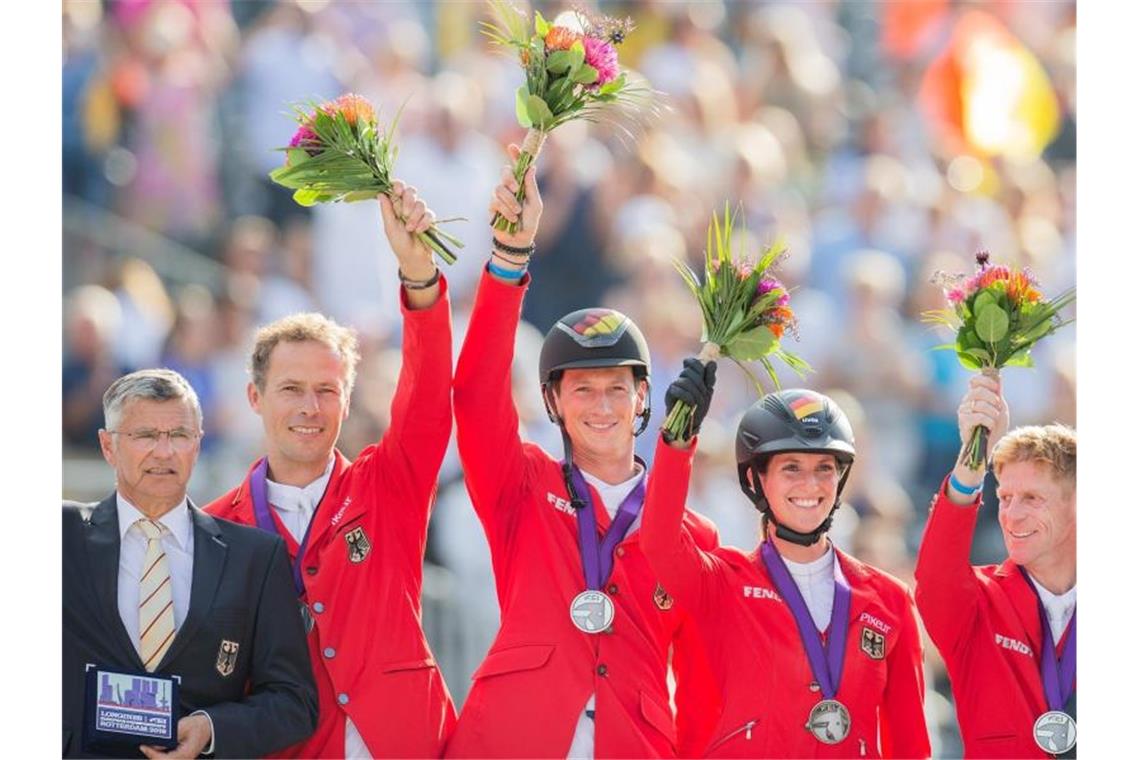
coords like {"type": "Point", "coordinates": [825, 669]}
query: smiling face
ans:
{"type": "Point", "coordinates": [152, 470]}
{"type": "Point", "coordinates": [801, 488]}
{"type": "Point", "coordinates": [1037, 513]}
{"type": "Point", "coordinates": [302, 406]}
{"type": "Point", "coordinates": [599, 408]}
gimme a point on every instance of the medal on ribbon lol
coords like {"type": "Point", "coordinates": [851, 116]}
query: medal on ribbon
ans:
{"type": "Point", "coordinates": [592, 611]}
{"type": "Point", "coordinates": [1055, 731]}
{"type": "Point", "coordinates": [829, 720]}
{"type": "Point", "coordinates": [259, 492]}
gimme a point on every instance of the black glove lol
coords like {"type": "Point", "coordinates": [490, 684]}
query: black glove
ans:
{"type": "Point", "coordinates": [694, 386]}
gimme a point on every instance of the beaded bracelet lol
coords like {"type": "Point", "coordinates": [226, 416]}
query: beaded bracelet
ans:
{"type": "Point", "coordinates": [517, 262]}
{"type": "Point", "coordinates": [411, 284]}
{"type": "Point", "coordinates": [527, 251]}
{"type": "Point", "coordinates": [506, 274]}
{"type": "Point", "coordinates": [962, 488]}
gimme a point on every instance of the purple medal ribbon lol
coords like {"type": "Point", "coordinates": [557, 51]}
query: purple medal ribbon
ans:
{"type": "Point", "coordinates": [1059, 677]}
{"type": "Point", "coordinates": [826, 666]}
{"type": "Point", "coordinates": [259, 490]}
{"type": "Point", "coordinates": [598, 561]}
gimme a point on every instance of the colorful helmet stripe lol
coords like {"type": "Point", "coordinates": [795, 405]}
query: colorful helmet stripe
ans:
{"type": "Point", "coordinates": [805, 405]}
{"type": "Point", "coordinates": [598, 328]}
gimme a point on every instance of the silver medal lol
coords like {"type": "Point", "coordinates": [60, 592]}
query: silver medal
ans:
{"type": "Point", "coordinates": [829, 722]}
{"type": "Point", "coordinates": [592, 612]}
{"type": "Point", "coordinates": [1055, 732]}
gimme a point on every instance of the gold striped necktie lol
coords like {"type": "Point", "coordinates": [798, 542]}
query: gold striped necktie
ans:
{"type": "Point", "coordinates": [156, 605]}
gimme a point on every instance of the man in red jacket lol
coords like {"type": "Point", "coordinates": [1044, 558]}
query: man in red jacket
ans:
{"type": "Point", "coordinates": [578, 668]}
{"type": "Point", "coordinates": [1007, 632]}
{"type": "Point", "coordinates": [356, 531]}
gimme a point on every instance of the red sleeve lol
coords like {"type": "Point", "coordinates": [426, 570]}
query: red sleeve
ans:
{"type": "Point", "coordinates": [903, 724]}
{"type": "Point", "coordinates": [409, 455]}
{"type": "Point", "coordinates": [677, 562]}
{"type": "Point", "coordinates": [487, 424]}
{"type": "Point", "coordinates": [946, 589]}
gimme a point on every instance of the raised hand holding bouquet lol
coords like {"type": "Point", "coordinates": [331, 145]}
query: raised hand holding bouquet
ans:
{"type": "Point", "coordinates": [340, 153]}
{"type": "Point", "coordinates": [745, 313]}
{"type": "Point", "coordinates": [999, 315]}
{"type": "Point", "coordinates": [571, 73]}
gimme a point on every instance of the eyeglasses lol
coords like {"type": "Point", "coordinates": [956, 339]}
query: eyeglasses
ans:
{"type": "Point", "coordinates": [181, 439]}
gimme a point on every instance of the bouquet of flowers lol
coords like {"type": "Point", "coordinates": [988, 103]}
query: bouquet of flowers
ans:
{"type": "Point", "coordinates": [340, 153]}
{"type": "Point", "coordinates": [745, 312]}
{"type": "Point", "coordinates": [998, 314]}
{"type": "Point", "coordinates": [571, 73]}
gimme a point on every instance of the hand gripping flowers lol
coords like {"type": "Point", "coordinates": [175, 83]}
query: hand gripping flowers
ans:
{"type": "Point", "coordinates": [745, 314]}
{"type": "Point", "coordinates": [999, 315]}
{"type": "Point", "coordinates": [339, 153]}
{"type": "Point", "coordinates": [571, 73]}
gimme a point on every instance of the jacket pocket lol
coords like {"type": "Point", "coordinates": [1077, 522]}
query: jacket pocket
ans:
{"type": "Point", "coordinates": [659, 717]}
{"type": "Point", "coordinates": [742, 733]}
{"type": "Point", "coordinates": [422, 662]}
{"type": "Point", "coordinates": [513, 659]}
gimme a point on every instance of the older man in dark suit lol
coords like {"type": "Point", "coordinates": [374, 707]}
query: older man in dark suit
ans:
{"type": "Point", "coordinates": [153, 585]}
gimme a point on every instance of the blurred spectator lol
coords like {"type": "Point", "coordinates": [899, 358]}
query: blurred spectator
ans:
{"type": "Point", "coordinates": [91, 316]}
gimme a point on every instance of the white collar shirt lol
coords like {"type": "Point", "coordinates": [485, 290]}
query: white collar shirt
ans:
{"type": "Point", "coordinates": [1059, 608]}
{"type": "Point", "coordinates": [295, 505]}
{"type": "Point", "coordinates": [816, 582]}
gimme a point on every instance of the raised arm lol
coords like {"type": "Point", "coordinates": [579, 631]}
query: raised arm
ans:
{"type": "Point", "coordinates": [487, 423]}
{"type": "Point", "coordinates": [677, 562]}
{"type": "Point", "coordinates": [946, 589]}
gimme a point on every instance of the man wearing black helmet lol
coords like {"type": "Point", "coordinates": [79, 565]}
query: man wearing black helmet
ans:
{"type": "Point", "coordinates": [578, 668]}
{"type": "Point", "coordinates": [816, 653]}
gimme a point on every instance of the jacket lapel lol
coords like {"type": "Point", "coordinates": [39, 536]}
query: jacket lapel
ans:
{"type": "Point", "coordinates": [103, 559]}
{"type": "Point", "coordinates": [209, 563]}
{"type": "Point", "coordinates": [331, 508]}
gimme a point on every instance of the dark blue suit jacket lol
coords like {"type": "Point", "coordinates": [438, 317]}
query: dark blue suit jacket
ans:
{"type": "Point", "coordinates": [241, 591]}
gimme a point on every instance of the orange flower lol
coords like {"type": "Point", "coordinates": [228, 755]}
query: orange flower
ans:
{"type": "Point", "coordinates": [353, 106]}
{"type": "Point", "coordinates": [560, 38]}
{"type": "Point", "coordinates": [1020, 289]}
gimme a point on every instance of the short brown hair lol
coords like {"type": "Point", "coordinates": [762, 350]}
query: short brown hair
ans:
{"type": "Point", "coordinates": [297, 328]}
{"type": "Point", "coordinates": [1054, 445]}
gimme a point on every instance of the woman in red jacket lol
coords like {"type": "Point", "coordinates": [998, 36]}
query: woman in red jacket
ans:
{"type": "Point", "coordinates": [816, 653]}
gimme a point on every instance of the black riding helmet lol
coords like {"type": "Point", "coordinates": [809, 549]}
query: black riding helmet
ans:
{"type": "Point", "coordinates": [786, 421]}
{"type": "Point", "coordinates": [594, 337]}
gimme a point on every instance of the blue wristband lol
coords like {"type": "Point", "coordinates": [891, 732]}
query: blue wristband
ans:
{"type": "Point", "coordinates": [962, 488]}
{"type": "Point", "coordinates": [506, 274]}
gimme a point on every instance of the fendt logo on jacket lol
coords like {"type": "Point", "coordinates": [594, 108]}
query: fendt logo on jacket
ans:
{"type": "Point", "coordinates": [559, 503]}
{"type": "Point", "coordinates": [759, 592]}
{"type": "Point", "coordinates": [1005, 642]}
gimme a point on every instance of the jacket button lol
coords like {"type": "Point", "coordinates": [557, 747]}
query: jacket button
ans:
{"type": "Point", "coordinates": [612, 588]}
{"type": "Point", "coordinates": [329, 652]}
{"type": "Point", "coordinates": [342, 698]}
{"type": "Point", "coordinates": [602, 670]}
{"type": "Point", "coordinates": [311, 570]}
{"type": "Point", "coordinates": [318, 607]}
{"type": "Point", "coordinates": [620, 551]}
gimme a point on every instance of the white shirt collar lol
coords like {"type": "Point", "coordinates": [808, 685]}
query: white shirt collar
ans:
{"type": "Point", "coordinates": [613, 494]}
{"type": "Point", "coordinates": [819, 566]}
{"type": "Point", "coordinates": [177, 520]}
{"type": "Point", "coordinates": [293, 498]}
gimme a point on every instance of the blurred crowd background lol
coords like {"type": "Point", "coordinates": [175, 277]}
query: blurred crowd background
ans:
{"type": "Point", "coordinates": [883, 141]}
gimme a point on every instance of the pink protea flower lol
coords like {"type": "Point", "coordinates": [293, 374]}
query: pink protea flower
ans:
{"type": "Point", "coordinates": [304, 137]}
{"type": "Point", "coordinates": [602, 56]}
{"type": "Point", "coordinates": [768, 284]}
{"type": "Point", "coordinates": [956, 296]}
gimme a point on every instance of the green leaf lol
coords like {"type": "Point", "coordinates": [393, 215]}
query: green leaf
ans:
{"type": "Point", "coordinates": [981, 300]}
{"type": "Point", "coordinates": [613, 86]}
{"type": "Point", "coordinates": [969, 362]}
{"type": "Point", "coordinates": [981, 354]}
{"type": "Point", "coordinates": [539, 113]}
{"type": "Point", "coordinates": [1019, 358]}
{"type": "Point", "coordinates": [752, 344]}
{"type": "Point", "coordinates": [577, 54]}
{"type": "Point", "coordinates": [360, 195]}
{"type": "Point", "coordinates": [559, 62]}
{"type": "Point", "coordinates": [308, 197]}
{"type": "Point", "coordinates": [521, 113]}
{"type": "Point", "coordinates": [585, 74]}
{"type": "Point", "coordinates": [992, 323]}
{"type": "Point", "coordinates": [541, 26]}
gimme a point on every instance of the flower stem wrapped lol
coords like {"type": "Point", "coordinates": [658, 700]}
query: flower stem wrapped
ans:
{"type": "Point", "coordinates": [340, 153]}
